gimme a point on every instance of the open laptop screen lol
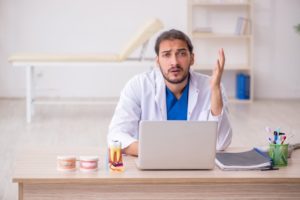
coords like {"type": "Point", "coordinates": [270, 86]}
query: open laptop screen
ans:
{"type": "Point", "coordinates": [177, 144]}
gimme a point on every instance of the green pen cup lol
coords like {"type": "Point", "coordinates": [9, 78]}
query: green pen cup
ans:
{"type": "Point", "coordinates": [279, 154]}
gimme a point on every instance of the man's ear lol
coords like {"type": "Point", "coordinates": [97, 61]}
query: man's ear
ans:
{"type": "Point", "coordinates": [157, 61]}
{"type": "Point", "coordinates": [192, 59]}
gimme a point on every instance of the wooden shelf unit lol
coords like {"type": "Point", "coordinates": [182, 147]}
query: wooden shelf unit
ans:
{"type": "Point", "coordinates": [218, 20]}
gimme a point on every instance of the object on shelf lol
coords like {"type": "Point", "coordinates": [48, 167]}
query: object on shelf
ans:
{"type": "Point", "coordinates": [242, 26]}
{"type": "Point", "coordinates": [242, 86]}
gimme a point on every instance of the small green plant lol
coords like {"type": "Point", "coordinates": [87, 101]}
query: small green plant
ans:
{"type": "Point", "coordinates": [297, 28]}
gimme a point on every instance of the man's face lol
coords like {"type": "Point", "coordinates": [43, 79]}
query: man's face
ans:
{"type": "Point", "coordinates": [174, 60]}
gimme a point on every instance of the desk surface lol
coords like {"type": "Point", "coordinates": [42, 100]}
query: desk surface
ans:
{"type": "Point", "coordinates": [38, 165]}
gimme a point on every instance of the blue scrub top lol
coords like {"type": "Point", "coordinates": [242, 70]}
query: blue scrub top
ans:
{"type": "Point", "coordinates": [177, 108]}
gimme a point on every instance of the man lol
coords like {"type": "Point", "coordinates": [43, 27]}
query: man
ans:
{"type": "Point", "coordinates": [171, 91]}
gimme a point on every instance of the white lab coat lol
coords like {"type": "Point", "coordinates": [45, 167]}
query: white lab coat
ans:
{"type": "Point", "coordinates": [144, 98]}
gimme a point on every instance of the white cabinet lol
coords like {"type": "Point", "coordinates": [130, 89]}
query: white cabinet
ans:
{"type": "Point", "coordinates": [215, 24]}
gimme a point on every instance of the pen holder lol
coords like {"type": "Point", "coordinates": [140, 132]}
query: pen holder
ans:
{"type": "Point", "coordinates": [279, 154]}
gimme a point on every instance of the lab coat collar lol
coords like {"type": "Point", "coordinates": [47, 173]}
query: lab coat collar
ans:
{"type": "Point", "coordinates": [193, 94]}
{"type": "Point", "coordinates": [160, 93]}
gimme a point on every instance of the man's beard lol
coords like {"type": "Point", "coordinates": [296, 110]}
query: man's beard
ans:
{"type": "Point", "coordinates": [175, 81]}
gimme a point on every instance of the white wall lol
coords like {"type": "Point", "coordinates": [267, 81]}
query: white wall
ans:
{"type": "Point", "coordinates": [76, 26]}
{"type": "Point", "coordinates": [276, 49]}
{"type": "Point", "coordinates": [98, 26]}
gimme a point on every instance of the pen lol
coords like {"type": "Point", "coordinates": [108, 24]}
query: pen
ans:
{"type": "Point", "coordinates": [283, 139]}
{"type": "Point", "coordinates": [269, 168]}
{"type": "Point", "coordinates": [278, 130]}
{"type": "Point", "coordinates": [268, 129]}
{"type": "Point", "coordinates": [288, 139]}
{"type": "Point", "coordinates": [270, 140]}
{"type": "Point", "coordinates": [275, 137]}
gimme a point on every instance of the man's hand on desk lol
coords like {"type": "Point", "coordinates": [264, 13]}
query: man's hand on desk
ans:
{"type": "Point", "coordinates": [132, 149]}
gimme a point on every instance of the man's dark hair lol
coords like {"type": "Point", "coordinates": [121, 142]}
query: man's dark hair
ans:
{"type": "Point", "coordinates": [172, 35]}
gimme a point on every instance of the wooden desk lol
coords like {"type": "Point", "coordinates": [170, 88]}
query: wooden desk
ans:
{"type": "Point", "coordinates": [37, 177]}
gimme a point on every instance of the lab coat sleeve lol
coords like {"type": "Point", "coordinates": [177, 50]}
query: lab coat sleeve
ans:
{"type": "Point", "coordinates": [125, 121]}
{"type": "Point", "coordinates": [224, 128]}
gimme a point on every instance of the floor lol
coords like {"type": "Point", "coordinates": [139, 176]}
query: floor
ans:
{"type": "Point", "coordinates": [87, 124]}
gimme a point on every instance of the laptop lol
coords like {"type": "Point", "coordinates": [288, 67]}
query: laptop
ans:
{"type": "Point", "coordinates": [174, 145]}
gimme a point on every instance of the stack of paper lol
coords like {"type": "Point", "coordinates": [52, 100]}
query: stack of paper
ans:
{"type": "Point", "coordinates": [248, 160]}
